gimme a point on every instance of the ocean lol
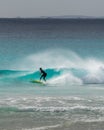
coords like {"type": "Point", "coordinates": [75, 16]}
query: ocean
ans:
{"type": "Point", "coordinates": [71, 51]}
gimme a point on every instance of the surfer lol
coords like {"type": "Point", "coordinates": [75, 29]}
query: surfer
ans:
{"type": "Point", "coordinates": [43, 74]}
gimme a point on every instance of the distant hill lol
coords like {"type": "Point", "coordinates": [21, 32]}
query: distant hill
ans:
{"type": "Point", "coordinates": [70, 17]}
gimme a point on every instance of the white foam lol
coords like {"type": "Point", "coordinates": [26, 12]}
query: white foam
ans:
{"type": "Point", "coordinates": [65, 79]}
{"type": "Point", "coordinates": [45, 127]}
{"type": "Point", "coordinates": [95, 75]}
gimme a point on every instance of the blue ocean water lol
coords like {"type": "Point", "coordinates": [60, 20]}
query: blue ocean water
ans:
{"type": "Point", "coordinates": [71, 52]}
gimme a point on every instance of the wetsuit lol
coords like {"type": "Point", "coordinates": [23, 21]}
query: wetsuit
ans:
{"type": "Point", "coordinates": [44, 74]}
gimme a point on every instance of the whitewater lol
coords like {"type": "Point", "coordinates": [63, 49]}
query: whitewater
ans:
{"type": "Point", "coordinates": [71, 52]}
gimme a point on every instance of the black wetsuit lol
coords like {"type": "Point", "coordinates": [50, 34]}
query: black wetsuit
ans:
{"type": "Point", "coordinates": [44, 74]}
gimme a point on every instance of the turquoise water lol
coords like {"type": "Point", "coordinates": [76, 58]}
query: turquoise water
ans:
{"type": "Point", "coordinates": [71, 52]}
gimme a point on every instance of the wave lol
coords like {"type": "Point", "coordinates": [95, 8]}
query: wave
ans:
{"type": "Point", "coordinates": [53, 109]}
{"type": "Point", "coordinates": [73, 107]}
{"type": "Point", "coordinates": [55, 76]}
{"type": "Point", "coordinates": [67, 68]}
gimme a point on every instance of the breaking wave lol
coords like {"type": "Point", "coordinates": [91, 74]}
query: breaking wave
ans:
{"type": "Point", "coordinates": [56, 76]}
{"type": "Point", "coordinates": [67, 67]}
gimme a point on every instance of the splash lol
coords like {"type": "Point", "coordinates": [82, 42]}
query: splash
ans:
{"type": "Point", "coordinates": [57, 58]}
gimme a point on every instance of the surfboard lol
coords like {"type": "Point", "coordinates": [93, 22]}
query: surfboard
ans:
{"type": "Point", "coordinates": [37, 81]}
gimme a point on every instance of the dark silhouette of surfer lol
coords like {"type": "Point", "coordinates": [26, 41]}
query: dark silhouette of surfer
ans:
{"type": "Point", "coordinates": [43, 74]}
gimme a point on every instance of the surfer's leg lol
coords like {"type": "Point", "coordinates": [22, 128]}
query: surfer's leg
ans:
{"type": "Point", "coordinates": [44, 76]}
{"type": "Point", "coordinates": [41, 77]}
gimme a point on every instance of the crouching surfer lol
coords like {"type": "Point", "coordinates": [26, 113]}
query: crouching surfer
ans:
{"type": "Point", "coordinates": [43, 74]}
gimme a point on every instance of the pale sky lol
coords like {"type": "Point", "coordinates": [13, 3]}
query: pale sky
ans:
{"type": "Point", "coordinates": [36, 8]}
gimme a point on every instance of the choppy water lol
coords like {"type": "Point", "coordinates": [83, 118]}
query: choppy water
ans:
{"type": "Point", "coordinates": [71, 52]}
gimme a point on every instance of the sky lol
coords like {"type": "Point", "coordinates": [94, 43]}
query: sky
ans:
{"type": "Point", "coordinates": [38, 8]}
